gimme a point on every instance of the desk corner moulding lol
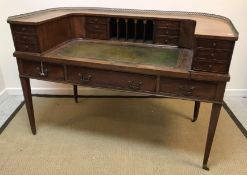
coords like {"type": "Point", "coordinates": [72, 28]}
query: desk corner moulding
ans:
{"type": "Point", "coordinates": [182, 55]}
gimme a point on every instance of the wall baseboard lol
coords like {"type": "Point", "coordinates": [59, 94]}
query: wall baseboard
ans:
{"type": "Point", "coordinates": [86, 90]}
{"type": "Point", "coordinates": [236, 93]}
{"type": "Point", "coordinates": [3, 95]}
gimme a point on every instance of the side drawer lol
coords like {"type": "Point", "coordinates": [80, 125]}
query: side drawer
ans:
{"type": "Point", "coordinates": [187, 88]}
{"type": "Point", "coordinates": [111, 79]}
{"type": "Point", "coordinates": [42, 70]}
{"type": "Point", "coordinates": [24, 38]}
{"type": "Point", "coordinates": [207, 66]}
{"type": "Point", "coordinates": [213, 54]}
{"type": "Point", "coordinates": [27, 29]}
{"type": "Point", "coordinates": [26, 47]}
{"type": "Point", "coordinates": [217, 44]}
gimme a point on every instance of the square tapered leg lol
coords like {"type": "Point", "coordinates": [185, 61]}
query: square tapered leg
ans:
{"type": "Point", "coordinates": [75, 93]}
{"type": "Point", "coordinates": [211, 132]}
{"type": "Point", "coordinates": [25, 82]}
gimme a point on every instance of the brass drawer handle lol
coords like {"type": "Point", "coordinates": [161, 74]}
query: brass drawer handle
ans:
{"type": "Point", "coordinates": [43, 72]}
{"type": "Point", "coordinates": [134, 85]}
{"type": "Point", "coordinates": [85, 78]}
{"type": "Point", "coordinates": [188, 93]}
{"type": "Point", "coordinates": [187, 90]}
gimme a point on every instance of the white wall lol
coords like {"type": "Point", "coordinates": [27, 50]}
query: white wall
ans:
{"type": "Point", "coordinates": [235, 10]}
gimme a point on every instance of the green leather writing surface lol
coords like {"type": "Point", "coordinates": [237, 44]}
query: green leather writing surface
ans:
{"type": "Point", "coordinates": [122, 53]}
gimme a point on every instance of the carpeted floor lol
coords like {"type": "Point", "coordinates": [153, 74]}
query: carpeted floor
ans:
{"type": "Point", "coordinates": [119, 137]}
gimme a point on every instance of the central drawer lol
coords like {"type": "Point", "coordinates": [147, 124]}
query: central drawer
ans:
{"type": "Point", "coordinates": [111, 79]}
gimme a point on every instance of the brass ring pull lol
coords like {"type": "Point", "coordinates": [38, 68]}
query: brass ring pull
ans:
{"type": "Point", "coordinates": [85, 78]}
{"type": "Point", "coordinates": [134, 85]}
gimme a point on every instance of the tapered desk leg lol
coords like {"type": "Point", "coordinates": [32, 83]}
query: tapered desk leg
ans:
{"type": "Point", "coordinates": [196, 110]}
{"type": "Point", "coordinates": [211, 131]}
{"type": "Point", "coordinates": [25, 82]}
{"type": "Point", "coordinates": [75, 93]}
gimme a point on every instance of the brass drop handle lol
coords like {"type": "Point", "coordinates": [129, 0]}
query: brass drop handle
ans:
{"type": "Point", "coordinates": [85, 78]}
{"type": "Point", "coordinates": [134, 85]}
{"type": "Point", "coordinates": [188, 93]}
{"type": "Point", "coordinates": [43, 72]}
{"type": "Point", "coordinates": [187, 90]}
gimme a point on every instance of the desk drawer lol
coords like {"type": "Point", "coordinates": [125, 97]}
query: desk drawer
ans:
{"type": "Point", "coordinates": [166, 31]}
{"type": "Point", "coordinates": [97, 35]}
{"type": "Point", "coordinates": [213, 55]}
{"type": "Point", "coordinates": [111, 79]}
{"type": "Point", "coordinates": [27, 47]}
{"type": "Point", "coordinates": [169, 40]}
{"type": "Point", "coordinates": [96, 31]}
{"type": "Point", "coordinates": [187, 88]}
{"type": "Point", "coordinates": [207, 66]}
{"type": "Point", "coordinates": [167, 24]}
{"type": "Point", "coordinates": [42, 70]}
{"type": "Point", "coordinates": [24, 38]}
{"type": "Point", "coordinates": [97, 27]}
{"type": "Point", "coordinates": [217, 44]}
{"type": "Point", "coordinates": [27, 29]}
{"type": "Point", "coordinates": [96, 20]}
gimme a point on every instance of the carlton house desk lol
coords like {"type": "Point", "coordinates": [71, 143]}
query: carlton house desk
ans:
{"type": "Point", "coordinates": [167, 54]}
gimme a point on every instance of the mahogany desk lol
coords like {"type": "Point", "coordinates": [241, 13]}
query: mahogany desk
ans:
{"type": "Point", "coordinates": [170, 54]}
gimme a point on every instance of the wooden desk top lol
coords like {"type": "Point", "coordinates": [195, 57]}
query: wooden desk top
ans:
{"type": "Point", "coordinates": [206, 24]}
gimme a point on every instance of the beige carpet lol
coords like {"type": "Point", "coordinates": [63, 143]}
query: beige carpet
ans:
{"type": "Point", "coordinates": [119, 137]}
